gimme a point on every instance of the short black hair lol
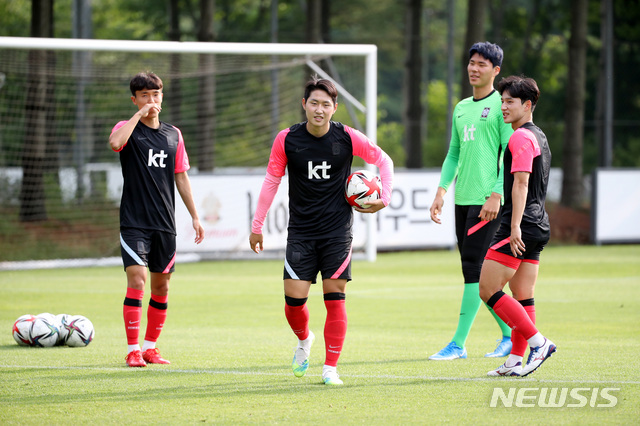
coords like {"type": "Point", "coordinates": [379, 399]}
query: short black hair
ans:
{"type": "Point", "coordinates": [489, 51]}
{"type": "Point", "coordinates": [323, 84]}
{"type": "Point", "coordinates": [521, 87]}
{"type": "Point", "coordinates": [145, 80]}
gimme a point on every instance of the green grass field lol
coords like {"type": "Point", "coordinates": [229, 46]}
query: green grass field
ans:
{"type": "Point", "coordinates": [231, 347]}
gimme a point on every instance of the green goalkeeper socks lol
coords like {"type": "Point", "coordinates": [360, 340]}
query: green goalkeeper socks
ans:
{"type": "Point", "coordinates": [506, 330]}
{"type": "Point", "coordinates": [468, 311]}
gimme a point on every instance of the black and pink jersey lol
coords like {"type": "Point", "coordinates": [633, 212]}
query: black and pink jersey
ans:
{"type": "Point", "coordinates": [318, 169]}
{"type": "Point", "coordinates": [149, 161]}
{"type": "Point", "coordinates": [528, 151]}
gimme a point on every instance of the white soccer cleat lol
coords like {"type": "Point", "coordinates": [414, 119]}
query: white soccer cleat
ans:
{"type": "Point", "coordinates": [331, 378]}
{"type": "Point", "coordinates": [538, 355]}
{"type": "Point", "coordinates": [504, 370]}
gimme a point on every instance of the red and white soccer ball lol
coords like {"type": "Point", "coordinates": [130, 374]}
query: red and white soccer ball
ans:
{"type": "Point", "coordinates": [80, 331]}
{"type": "Point", "coordinates": [22, 329]}
{"type": "Point", "coordinates": [361, 188]}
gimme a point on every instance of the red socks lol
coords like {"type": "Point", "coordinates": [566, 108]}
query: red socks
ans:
{"type": "Point", "coordinates": [297, 314]}
{"type": "Point", "coordinates": [520, 344]}
{"type": "Point", "coordinates": [132, 313]}
{"type": "Point", "coordinates": [156, 316]}
{"type": "Point", "coordinates": [335, 327]}
{"type": "Point", "coordinates": [513, 313]}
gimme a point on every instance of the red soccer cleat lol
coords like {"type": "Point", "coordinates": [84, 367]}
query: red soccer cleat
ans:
{"type": "Point", "coordinates": [152, 356]}
{"type": "Point", "coordinates": [134, 359]}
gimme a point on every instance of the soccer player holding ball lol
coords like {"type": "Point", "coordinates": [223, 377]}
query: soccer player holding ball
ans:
{"type": "Point", "coordinates": [318, 154]}
{"type": "Point", "coordinates": [514, 254]}
{"type": "Point", "coordinates": [479, 137]}
{"type": "Point", "coordinates": [154, 161]}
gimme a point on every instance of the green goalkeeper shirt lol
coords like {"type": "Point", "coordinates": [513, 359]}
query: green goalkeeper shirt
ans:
{"type": "Point", "coordinates": [479, 137]}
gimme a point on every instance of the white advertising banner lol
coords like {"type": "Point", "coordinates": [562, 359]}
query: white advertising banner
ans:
{"type": "Point", "coordinates": [616, 206]}
{"type": "Point", "coordinates": [226, 204]}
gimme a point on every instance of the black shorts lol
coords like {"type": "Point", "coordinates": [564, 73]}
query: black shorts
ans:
{"type": "Point", "coordinates": [474, 237]}
{"type": "Point", "coordinates": [145, 247]}
{"type": "Point", "coordinates": [534, 242]}
{"type": "Point", "coordinates": [305, 258]}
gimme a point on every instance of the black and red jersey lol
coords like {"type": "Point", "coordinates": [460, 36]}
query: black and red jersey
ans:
{"type": "Point", "coordinates": [150, 159]}
{"type": "Point", "coordinates": [318, 169]}
{"type": "Point", "coordinates": [528, 151]}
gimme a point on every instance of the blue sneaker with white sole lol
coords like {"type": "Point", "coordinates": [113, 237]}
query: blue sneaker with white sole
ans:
{"type": "Point", "coordinates": [449, 352]}
{"type": "Point", "coordinates": [503, 348]}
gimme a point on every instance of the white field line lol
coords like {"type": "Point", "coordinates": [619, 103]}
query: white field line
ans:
{"type": "Point", "coordinates": [355, 376]}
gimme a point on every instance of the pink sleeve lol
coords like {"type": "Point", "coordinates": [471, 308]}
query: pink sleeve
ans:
{"type": "Point", "coordinates": [524, 148]}
{"type": "Point", "coordinates": [364, 148]}
{"type": "Point", "coordinates": [116, 127]}
{"type": "Point", "coordinates": [267, 194]}
{"type": "Point", "coordinates": [278, 159]}
{"type": "Point", "coordinates": [182, 160]}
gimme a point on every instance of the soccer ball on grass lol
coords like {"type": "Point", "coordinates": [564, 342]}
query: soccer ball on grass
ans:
{"type": "Point", "coordinates": [22, 329]}
{"type": "Point", "coordinates": [80, 331]}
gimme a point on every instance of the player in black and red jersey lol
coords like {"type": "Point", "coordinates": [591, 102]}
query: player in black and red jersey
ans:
{"type": "Point", "coordinates": [514, 255]}
{"type": "Point", "coordinates": [318, 154]}
{"type": "Point", "coordinates": [154, 162]}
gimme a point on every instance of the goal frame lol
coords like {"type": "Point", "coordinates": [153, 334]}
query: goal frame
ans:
{"type": "Point", "coordinates": [368, 51]}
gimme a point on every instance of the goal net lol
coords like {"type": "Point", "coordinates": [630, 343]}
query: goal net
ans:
{"type": "Point", "coordinates": [60, 183]}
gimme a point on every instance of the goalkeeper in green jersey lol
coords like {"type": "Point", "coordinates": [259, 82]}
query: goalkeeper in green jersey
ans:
{"type": "Point", "coordinates": [479, 137]}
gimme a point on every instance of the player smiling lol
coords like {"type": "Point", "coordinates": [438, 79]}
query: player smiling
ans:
{"type": "Point", "coordinates": [514, 255]}
{"type": "Point", "coordinates": [318, 154]}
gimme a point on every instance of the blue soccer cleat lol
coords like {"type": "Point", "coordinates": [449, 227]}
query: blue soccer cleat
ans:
{"type": "Point", "coordinates": [449, 352]}
{"type": "Point", "coordinates": [503, 348]}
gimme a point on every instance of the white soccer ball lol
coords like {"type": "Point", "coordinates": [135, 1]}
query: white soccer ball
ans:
{"type": "Point", "coordinates": [22, 328]}
{"type": "Point", "coordinates": [49, 317]}
{"type": "Point", "coordinates": [61, 321]}
{"type": "Point", "coordinates": [80, 331]}
{"type": "Point", "coordinates": [361, 188]}
{"type": "Point", "coordinates": [43, 333]}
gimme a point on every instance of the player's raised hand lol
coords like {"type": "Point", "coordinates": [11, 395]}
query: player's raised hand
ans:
{"type": "Point", "coordinates": [255, 241]}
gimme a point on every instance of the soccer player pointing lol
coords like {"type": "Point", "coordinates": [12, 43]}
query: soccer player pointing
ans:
{"type": "Point", "coordinates": [154, 161]}
{"type": "Point", "coordinates": [318, 154]}
{"type": "Point", "coordinates": [514, 254]}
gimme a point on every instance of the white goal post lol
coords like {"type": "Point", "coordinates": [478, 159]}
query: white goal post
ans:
{"type": "Point", "coordinates": [368, 52]}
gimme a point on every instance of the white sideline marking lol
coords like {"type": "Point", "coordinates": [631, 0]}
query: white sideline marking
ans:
{"type": "Point", "coordinates": [355, 376]}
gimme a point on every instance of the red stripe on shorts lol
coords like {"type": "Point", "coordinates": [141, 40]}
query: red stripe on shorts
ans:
{"type": "Point", "coordinates": [477, 226]}
{"type": "Point", "coordinates": [343, 266]}
{"type": "Point", "coordinates": [168, 268]}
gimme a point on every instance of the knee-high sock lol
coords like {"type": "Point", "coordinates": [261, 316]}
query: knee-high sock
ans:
{"type": "Point", "coordinates": [297, 314]}
{"type": "Point", "coordinates": [132, 314]}
{"type": "Point", "coordinates": [156, 316]}
{"type": "Point", "coordinates": [512, 313]}
{"type": "Point", "coordinates": [519, 342]}
{"type": "Point", "coordinates": [335, 327]}
{"type": "Point", "coordinates": [468, 311]}
{"type": "Point", "coordinates": [504, 328]}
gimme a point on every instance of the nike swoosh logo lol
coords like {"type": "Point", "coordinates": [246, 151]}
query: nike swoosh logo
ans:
{"type": "Point", "coordinates": [333, 347]}
{"type": "Point", "coordinates": [301, 149]}
{"type": "Point", "coordinates": [133, 322]}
